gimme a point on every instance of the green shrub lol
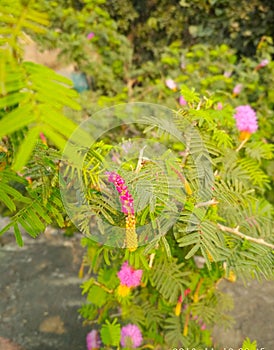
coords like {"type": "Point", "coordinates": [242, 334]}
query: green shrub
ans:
{"type": "Point", "coordinates": [195, 237]}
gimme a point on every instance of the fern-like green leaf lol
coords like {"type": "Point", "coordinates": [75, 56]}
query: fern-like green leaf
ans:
{"type": "Point", "coordinates": [168, 273]}
{"type": "Point", "coordinates": [256, 174]}
{"type": "Point", "coordinates": [174, 332]}
{"type": "Point", "coordinates": [26, 148]}
{"type": "Point", "coordinates": [248, 345]}
{"type": "Point", "coordinates": [260, 150]}
{"type": "Point", "coordinates": [189, 95]}
{"type": "Point", "coordinates": [111, 333]}
{"type": "Point", "coordinates": [97, 296]}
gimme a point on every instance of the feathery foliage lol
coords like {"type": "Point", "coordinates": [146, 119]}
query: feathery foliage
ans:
{"type": "Point", "coordinates": [33, 100]}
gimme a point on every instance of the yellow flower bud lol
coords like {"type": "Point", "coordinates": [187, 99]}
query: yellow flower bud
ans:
{"type": "Point", "coordinates": [178, 309]}
{"type": "Point", "coordinates": [231, 277]}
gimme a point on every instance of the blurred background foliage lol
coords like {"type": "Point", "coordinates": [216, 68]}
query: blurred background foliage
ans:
{"type": "Point", "coordinates": [151, 25]}
{"type": "Point", "coordinates": [212, 46]}
{"type": "Point", "coordinates": [132, 36]}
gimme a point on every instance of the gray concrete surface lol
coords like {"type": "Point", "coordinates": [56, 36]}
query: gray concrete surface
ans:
{"type": "Point", "coordinates": [253, 314]}
{"type": "Point", "coordinates": [40, 294]}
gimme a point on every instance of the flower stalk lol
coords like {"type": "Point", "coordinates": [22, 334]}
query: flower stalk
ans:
{"type": "Point", "coordinates": [126, 200]}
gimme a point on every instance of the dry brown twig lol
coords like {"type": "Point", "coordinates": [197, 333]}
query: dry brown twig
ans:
{"type": "Point", "coordinates": [235, 231]}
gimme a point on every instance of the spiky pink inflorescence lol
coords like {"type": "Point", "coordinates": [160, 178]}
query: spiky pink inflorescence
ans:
{"type": "Point", "coordinates": [127, 204]}
{"type": "Point", "coordinates": [125, 197]}
{"type": "Point", "coordinates": [131, 336]}
{"type": "Point", "coordinates": [93, 340]}
{"type": "Point", "coordinates": [246, 119]}
{"type": "Point", "coordinates": [128, 276]}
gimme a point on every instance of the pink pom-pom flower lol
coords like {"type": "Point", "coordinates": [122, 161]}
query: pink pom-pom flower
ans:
{"type": "Point", "coordinates": [237, 89]}
{"type": "Point", "coordinates": [219, 106]}
{"type": "Point", "coordinates": [262, 64]}
{"type": "Point", "coordinates": [170, 83]}
{"type": "Point", "coordinates": [128, 276]}
{"type": "Point", "coordinates": [246, 120]}
{"type": "Point", "coordinates": [131, 336]}
{"type": "Point", "coordinates": [227, 74]}
{"type": "Point", "coordinates": [93, 340]}
{"type": "Point", "coordinates": [90, 35]}
{"type": "Point", "coordinates": [182, 101]}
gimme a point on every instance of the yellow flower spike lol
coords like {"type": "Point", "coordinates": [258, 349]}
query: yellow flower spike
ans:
{"type": "Point", "coordinates": [185, 331]}
{"type": "Point", "coordinates": [81, 270]}
{"type": "Point", "coordinates": [184, 181]}
{"type": "Point", "coordinates": [210, 258]}
{"type": "Point", "coordinates": [196, 294]}
{"type": "Point", "coordinates": [178, 309]}
{"type": "Point", "coordinates": [187, 187]}
{"type": "Point", "coordinates": [195, 297]}
{"type": "Point", "coordinates": [123, 291]}
{"type": "Point", "coordinates": [131, 236]}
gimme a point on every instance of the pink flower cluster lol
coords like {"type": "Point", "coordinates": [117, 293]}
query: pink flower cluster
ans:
{"type": "Point", "coordinates": [128, 276]}
{"type": "Point", "coordinates": [125, 197]}
{"type": "Point", "coordinates": [219, 106]}
{"type": "Point", "coordinates": [170, 83]}
{"type": "Point", "coordinates": [227, 74]}
{"type": "Point", "coordinates": [43, 138]}
{"type": "Point", "coordinates": [182, 101]}
{"type": "Point", "coordinates": [199, 321]}
{"type": "Point", "coordinates": [131, 336]}
{"type": "Point", "coordinates": [93, 340]}
{"type": "Point", "coordinates": [246, 119]}
{"type": "Point", "coordinates": [187, 291]}
{"type": "Point", "coordinates": [237, 89]}
{"type": "Point", "coordinates": [262, 64]}
{"type": "Point", "coordinates": [90, 35]}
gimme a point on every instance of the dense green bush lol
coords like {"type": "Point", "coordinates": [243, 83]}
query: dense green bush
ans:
{"type": "Point", "coordinates": [152, 25]}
